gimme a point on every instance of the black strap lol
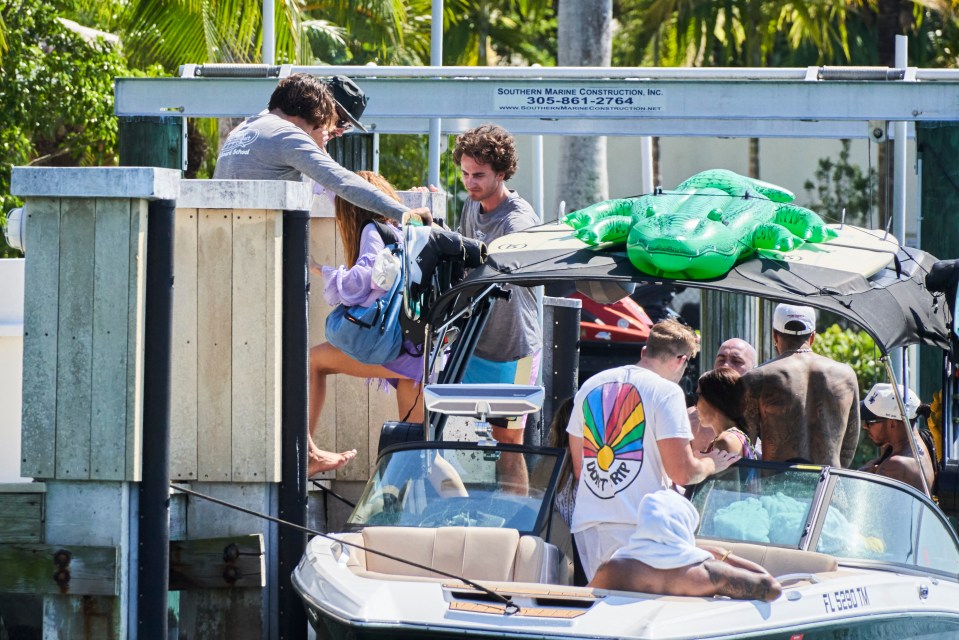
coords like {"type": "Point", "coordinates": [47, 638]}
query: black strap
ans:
{"type": "Point", "coordinates": [388, 237]}
{"type": "Point", "coordinates": [929, 441]}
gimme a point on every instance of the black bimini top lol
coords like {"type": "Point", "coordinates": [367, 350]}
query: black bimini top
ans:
{"type": "Point", "coordinates": [893, 305]}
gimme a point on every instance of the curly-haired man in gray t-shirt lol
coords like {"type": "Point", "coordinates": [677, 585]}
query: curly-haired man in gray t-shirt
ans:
{"type": "Point", "coordinates": [511, 344]}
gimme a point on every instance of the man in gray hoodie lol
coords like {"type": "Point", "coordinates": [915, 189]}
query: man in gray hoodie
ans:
{"type": "Point", "coordinates": [279, 145]}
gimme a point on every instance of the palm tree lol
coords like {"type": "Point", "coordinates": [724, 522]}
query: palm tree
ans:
{"type": "Point", "coordinates": [513, 32]}
{"type": "Point", "coordinates": [584, 39]}
{"type": "Point", "coordinates": [3, 38]}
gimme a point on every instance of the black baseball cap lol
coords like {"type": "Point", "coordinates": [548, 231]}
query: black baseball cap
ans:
{"type": "Point", "coordinates": [349, 98]}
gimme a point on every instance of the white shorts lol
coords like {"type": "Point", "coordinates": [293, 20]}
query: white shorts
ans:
{"type": "Point", "coordinates": [597, 544]}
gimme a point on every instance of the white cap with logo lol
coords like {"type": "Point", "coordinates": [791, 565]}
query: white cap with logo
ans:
{"type": "Point", "coordinates": [794, 320]}
{"type": "Point", "coordinates": [881, 403]}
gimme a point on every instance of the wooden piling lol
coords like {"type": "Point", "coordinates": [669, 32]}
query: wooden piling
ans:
{"type": "Point", "coordinates": [82, 385]}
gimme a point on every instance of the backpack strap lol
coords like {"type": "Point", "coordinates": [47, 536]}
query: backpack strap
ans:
{"type": "Point", "coordinates": [388, 237]}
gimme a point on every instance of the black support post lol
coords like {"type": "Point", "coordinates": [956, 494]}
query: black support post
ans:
{"type": "Point", "coordinates": [560, 353]}
{"type": "Point", "coordinates": [153, 576]}
{"type": "Point", "coordinates": [292, 499]}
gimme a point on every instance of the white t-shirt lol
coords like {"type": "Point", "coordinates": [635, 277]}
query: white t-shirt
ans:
{"type": "Point", "coordinates": [620, 413]}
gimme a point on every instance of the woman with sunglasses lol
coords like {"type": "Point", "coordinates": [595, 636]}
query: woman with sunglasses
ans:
{"type": "Point", "coordinates": [718, 399]}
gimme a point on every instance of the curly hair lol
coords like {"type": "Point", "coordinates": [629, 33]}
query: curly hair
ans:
{"type": "Point", "coordinates": [307, 97]}
{"type": "Point", "coordinates": [350, 219]}
{"type": "Point", "coordinates": [488, 144]}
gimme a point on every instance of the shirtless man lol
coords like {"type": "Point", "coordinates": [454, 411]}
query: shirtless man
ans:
{"type": "Point", "coordinates": [803, 406]}
{"type": "Point", "coordinates": [738, 355]}
{"type": "Point", "coordinates": [662, 557]}
{"type": "Point", "coordinates": [883, 422]}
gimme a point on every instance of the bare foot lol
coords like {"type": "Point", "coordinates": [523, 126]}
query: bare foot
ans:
{"type": "Point", "coordinates": [321, 460]}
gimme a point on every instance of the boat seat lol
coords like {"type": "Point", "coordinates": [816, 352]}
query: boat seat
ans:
{"type": "Point", "coordinates": [477, 553]}
{"type": "Point", "coordinates": [776, 560]}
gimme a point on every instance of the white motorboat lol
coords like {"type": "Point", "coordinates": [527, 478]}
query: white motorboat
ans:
{"type": "Point", "coordinates": [859, 555]}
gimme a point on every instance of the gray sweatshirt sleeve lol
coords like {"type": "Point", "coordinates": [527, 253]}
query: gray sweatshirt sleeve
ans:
{"type": "Point", "coordinates": [306, 157]}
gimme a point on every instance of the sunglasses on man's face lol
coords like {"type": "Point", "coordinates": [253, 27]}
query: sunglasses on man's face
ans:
{"type": "Point", "coordinates": [343, 122]}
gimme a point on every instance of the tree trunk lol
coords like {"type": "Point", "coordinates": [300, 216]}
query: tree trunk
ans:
{"type": "Point", "coordinates": [584, 39]}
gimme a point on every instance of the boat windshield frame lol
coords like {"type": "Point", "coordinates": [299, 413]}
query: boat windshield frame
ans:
{"type": "Point", "coordinates": [832, 487]}
{"type": "Point", "coordinates": [549, 480]}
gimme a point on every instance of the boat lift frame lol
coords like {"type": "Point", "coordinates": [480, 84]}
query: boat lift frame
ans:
{"type": "Point", "coordinates": [875, 103]}
{"type": "Point", "coordinates": [813, 102]}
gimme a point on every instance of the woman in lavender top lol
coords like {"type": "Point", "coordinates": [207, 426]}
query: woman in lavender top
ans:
{"type": "Point", "coordinates": [352, 284]}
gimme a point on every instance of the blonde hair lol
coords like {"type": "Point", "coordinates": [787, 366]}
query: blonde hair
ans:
{"type": "Point", "coordinates": [669, 338]}
{"type": "Point", "coordinates": [350, 219]}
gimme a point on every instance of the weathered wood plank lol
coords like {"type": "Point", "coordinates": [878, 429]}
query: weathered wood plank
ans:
{"type": "Point", "coordinates": [324, 242]}
{"type": "Point", "coordinates": [111, 276]}
{"type": "Point", "coordinates": [225, 614]}
{"type": "Point", "coordinates": [273, 330]}
{"type": "Point", "coordinates": [83, 617]}
{"type": "Point", "coordinates": [40, 320]}
{"type": "Point", "coordinates": [231, 614]}
{"type": "Point", "coordinates": [725, 316]}
{"type": "Point", "coordinates": [58, 569]}
{"type": "Point", "coordinates": [224, 563]}
{"type": "Point", "coordinates": [136, 325]}
{"type": "Point", "coordinates": [183, 390]}
{"type": "Point", "coordinates": [214, 337]}
{"type": "Point", "coordinates": [352, 426]}
{"type": "Point", "coordinates": [21, 517]}
{"type": "Point", "coordinates": [250, 308]}
{"type": "Point", "coordinates": [75, 351]}
{"type": "Point", "coordinates": [91, 513]}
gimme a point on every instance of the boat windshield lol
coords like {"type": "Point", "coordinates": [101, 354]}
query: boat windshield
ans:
{"type": "Point", "coordinates": [460, 484]}
{"type": "Point", "coordinates": [854, 516]}
{"type": "Point", "coordinates": [750, 504]}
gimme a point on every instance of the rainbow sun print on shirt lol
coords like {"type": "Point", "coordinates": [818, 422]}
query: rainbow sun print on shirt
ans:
{"type": "Point", "coordinates": [614, 423]}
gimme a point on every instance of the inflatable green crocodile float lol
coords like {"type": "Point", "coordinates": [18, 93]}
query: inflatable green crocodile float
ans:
{"type": "Point", "coordinates": [709, 223]}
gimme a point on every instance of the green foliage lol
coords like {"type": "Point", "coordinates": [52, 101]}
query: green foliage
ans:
{"type": "Point", "coordinates": [175, 33]}
{"type": "Point", "coordinates": [839, 184]}
{"type": "Point", "coordinates": [56, 95]}
{"type": "Point", "coordinates": [855, 348]}
{"type": "Point", "coordinates": [403, 159]}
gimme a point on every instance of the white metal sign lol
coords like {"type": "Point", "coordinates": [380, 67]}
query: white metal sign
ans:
{"type": "Point", "coordinates": [587, 100]}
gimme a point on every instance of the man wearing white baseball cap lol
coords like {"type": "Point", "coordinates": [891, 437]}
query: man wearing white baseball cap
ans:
{"type": "Point", "coordinates": [803, 406]}
{"type": "Point", "coordinates": [883, 421]}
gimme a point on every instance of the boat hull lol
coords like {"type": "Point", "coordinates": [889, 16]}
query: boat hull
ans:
{"type": "Point", "coordinates": [849, 604]}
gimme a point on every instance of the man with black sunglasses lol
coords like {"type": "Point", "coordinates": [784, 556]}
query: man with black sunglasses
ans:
{"type": "Point", "coordinates": [283, 143]}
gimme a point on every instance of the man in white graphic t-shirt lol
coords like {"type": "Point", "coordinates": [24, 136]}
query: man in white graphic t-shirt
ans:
{"type": "Point", "coordinates": [629, 435]}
